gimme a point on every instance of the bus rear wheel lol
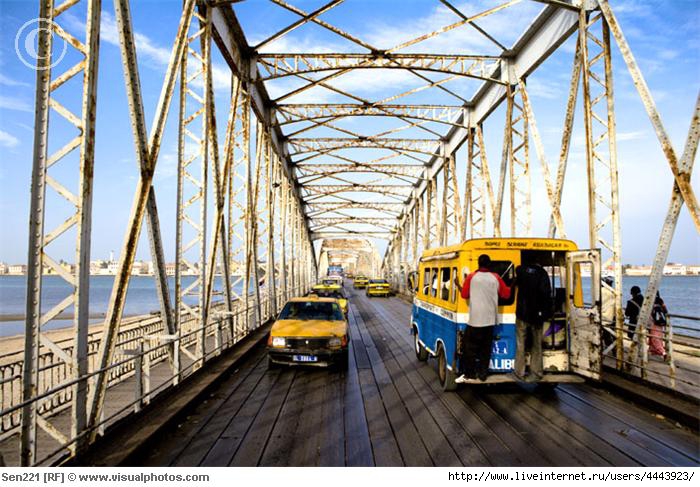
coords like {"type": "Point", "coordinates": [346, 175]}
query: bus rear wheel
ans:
{"type": "Point", "coordinates": [421, 352]}
{"type": "Point", "coordinates": [446, 376]}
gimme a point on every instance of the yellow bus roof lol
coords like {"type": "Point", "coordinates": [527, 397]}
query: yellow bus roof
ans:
{"type": "Point", "coordinates": [484, 244]}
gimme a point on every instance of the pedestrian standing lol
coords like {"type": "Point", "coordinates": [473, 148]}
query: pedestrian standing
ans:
{"type": "Point", "coordinates": [632, 309]}
{"type": "Point", "coordinates": [659, 319]}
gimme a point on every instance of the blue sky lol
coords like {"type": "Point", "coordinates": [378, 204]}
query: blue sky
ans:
{"type": "Point", "coordinates": [663, 35]}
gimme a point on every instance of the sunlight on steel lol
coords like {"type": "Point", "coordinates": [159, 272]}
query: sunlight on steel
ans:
{"type": "Point", "coordinates": [281, 184]}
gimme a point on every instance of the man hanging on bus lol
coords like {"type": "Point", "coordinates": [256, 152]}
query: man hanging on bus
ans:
{"type": "Point", "coordinates": [482, 288]}
{"type": "Point", "coordinates": [533, 308]}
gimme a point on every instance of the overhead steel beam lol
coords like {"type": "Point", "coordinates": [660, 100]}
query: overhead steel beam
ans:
{"type": "Point", "coordinates": [547, 32]}
{"type": "Point", "coordinates": [294, 113]}
{"type": "Point", "coordinates": [422, 146]}
{"type": "Point", "coordinates": [294, 64]}
{"type": "Point", "coordinates": [228, 36]}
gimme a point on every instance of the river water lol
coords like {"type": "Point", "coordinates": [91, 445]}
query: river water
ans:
{"type": "Point", "coordinates": [681, 294]}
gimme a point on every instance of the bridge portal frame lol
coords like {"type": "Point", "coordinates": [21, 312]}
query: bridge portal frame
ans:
{"type": "Point", "coordinates": [430, 212]}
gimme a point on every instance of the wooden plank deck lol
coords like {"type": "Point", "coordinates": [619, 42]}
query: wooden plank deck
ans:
{"type": "Point", "coordinates": [388, 410]}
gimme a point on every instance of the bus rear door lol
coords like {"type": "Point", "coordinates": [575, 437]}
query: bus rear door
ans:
{"type": "Point", "coordinates": [584, 310]}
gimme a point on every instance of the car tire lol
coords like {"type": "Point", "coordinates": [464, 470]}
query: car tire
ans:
{"type": "Point", "coordinates": [421, 352]}
{"type": "Point", "coordinates": [272, 365]}
{"type": "Point", "coordinates": [445, 376]}
{"type": "Point", "coordinates": [344, 362]}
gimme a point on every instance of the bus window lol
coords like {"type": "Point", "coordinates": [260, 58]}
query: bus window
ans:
{"type": "Point", "coordinates": [426, 280]}
{"type": "Point", "coordinates": [445, 283]}
{"type": "Point", "coordinates": [455, 288]}
{"type": "Point", "coordinates": [433, 282]}
{"type": "Point", "coordinates": [506, 270]}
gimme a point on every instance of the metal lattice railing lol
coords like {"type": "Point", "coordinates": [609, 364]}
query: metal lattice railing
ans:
{"type": "Point", "coordinates": [140, 347]}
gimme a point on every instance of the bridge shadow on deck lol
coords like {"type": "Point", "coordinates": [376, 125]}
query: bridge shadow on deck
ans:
{"type": "Point", "coordinates": [388, 410]}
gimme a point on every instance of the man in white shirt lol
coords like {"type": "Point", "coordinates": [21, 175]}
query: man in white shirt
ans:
{"type": "Point", "coordinates": [482, 288]}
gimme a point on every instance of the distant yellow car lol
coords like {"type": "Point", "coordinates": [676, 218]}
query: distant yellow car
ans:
{"type": "Point", "coordinates": [378, 287]}
{"type": "Point", "coordinates": [334, 291]}
{"type": "Point", "coordinates": [309, 331]}
{"type": "Point", "coordinates": [360, 282]}
{"type": "Point", "coordinates": [333, 280]}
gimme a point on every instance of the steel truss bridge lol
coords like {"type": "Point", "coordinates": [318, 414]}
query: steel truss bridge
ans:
{"type": "Point", "coordinates": [285, 175]}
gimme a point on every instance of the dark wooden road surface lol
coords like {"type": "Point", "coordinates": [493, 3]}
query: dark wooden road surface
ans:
{"type": "Point", "coordinates": [388, 410]}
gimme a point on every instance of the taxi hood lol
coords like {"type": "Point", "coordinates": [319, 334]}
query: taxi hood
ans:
{"type": "Point", "coordinates": [308, 328]}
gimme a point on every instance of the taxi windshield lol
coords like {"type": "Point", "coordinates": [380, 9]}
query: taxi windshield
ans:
{"type": "Point", "coordinates": [311, 310]}
{"type": "Point", "coordinates": [378, 281]}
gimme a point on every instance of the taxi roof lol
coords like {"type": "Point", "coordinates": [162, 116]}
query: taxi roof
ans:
{"type": "Point", "coordinates": [314, 298]}
{"type": "Point", "coordinates": [504, 244]}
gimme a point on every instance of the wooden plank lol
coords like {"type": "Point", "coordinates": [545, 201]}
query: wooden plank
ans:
{"type": "Point", "coordinates": [598, 423]}
{"type": "Point", "coordinates": [251, 448]}
{"type": "Point", "coordinates": [332, 447]}
{"type": "Point", "coordinates": [195, 434]}
{"type": "Point", "coordinates": [607, 453]}
{"type": "Point", "coordinates": [285, 437]}
{"type": "Point", "coordinates": [557, 445]}
{"type": "Point", "coordinates": [413, 450]}
{"type": "Point", "coordinates": [434, 401]}
{"type": "Point", "coordinates": [495, 451]}
{"type": "Point", "coordinates": [635, 443]}
{"type": "Point", "coordinates": [228, 441]}
{"type": "Point", "coordinates": [306, 450]}
{"type": "Point", "coordinates": [385, 450]}
{"type": "Point", "coordinates": [358, 448]}
{"type": "Point", "coordinates": [663, 430]}
{"type": "Point", "coordinates": [437, 445]}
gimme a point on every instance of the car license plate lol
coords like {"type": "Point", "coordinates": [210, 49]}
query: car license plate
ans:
{"type": "Point", "coordinates": [305, 358]}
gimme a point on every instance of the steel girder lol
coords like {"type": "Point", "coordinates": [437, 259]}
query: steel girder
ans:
{"type": "Point", "coordinates": [403, 170]}
{"type": "Point", "coordinates": [294, 113]}
{"type": "Point", "coordinates": [75, 362]}
{"type": "Point", "coordinates": [295, 64]}
{"type": "Point", "coordinates": [420, 146]}
{"type": "Point", "coordinates": [601, 155]}
{"type": "Point", "coordinates": [193, 182]}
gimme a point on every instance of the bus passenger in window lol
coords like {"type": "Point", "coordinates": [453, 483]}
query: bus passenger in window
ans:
{"type": "Point", "coordinates": [482, 288]}
{"type": "Point", "coordinates": [533, 308]}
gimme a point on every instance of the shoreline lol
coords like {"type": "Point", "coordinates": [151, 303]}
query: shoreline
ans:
{"type": "Point", "coordinates": [62, 316]}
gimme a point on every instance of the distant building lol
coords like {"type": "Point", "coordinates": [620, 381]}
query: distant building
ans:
{"type": "Point", "coordinates": [638, 270]}
{"type": "Point", "coordinates": [112, 267]}
{"type": "Point", "coordinates": [674, 270]}
{"type": "Point", "coordinates": [4, 268]}
{"type": "Point", "coordinates": [17, 269]}
{"type": "Point", "coordinates": [170, 269]}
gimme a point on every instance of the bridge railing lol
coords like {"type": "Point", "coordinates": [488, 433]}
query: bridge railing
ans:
{"type": "Point", "coordinates": [677, 368]}
{"type": "Point", "coordinates": [141, 345]}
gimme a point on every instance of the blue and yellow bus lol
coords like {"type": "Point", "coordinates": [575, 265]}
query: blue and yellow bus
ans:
{"type": "Point", "coordinates": [440, 316]}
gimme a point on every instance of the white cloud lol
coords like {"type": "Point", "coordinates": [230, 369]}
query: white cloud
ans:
{"type": "Point", "coordinates": [155, 55]}
{"type": "Point", "coordinates": [11, 103]}
{"type": "Point", "coordinates": [634, 135]}
{"type": "Point", "coordinates": [8, 140]}
{"type": "Point", "coordinates": [4, 80]}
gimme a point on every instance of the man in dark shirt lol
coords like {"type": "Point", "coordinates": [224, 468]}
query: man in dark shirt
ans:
{"type": "Point", "coordinates": [632, 309]}
{"type": "Point", "coordinates": [533, 307]}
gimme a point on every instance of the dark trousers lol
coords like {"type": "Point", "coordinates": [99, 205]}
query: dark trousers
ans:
{"type": "Point", "coordinates": [478, 341]}
{"type": "Point", "coordinates": [521, 330]}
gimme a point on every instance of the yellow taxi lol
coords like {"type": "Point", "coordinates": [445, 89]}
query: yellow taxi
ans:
{"type": "Point", "coordinates": [378, 287]}
{"type": "Point", "coordinates": [360, 282]}
{"type": "Point", "coordinates": [326, 290]}
{"type": "Point", "coordinates": [333, 280]}
{"type": "Point", "coordinates": [309, 331]}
